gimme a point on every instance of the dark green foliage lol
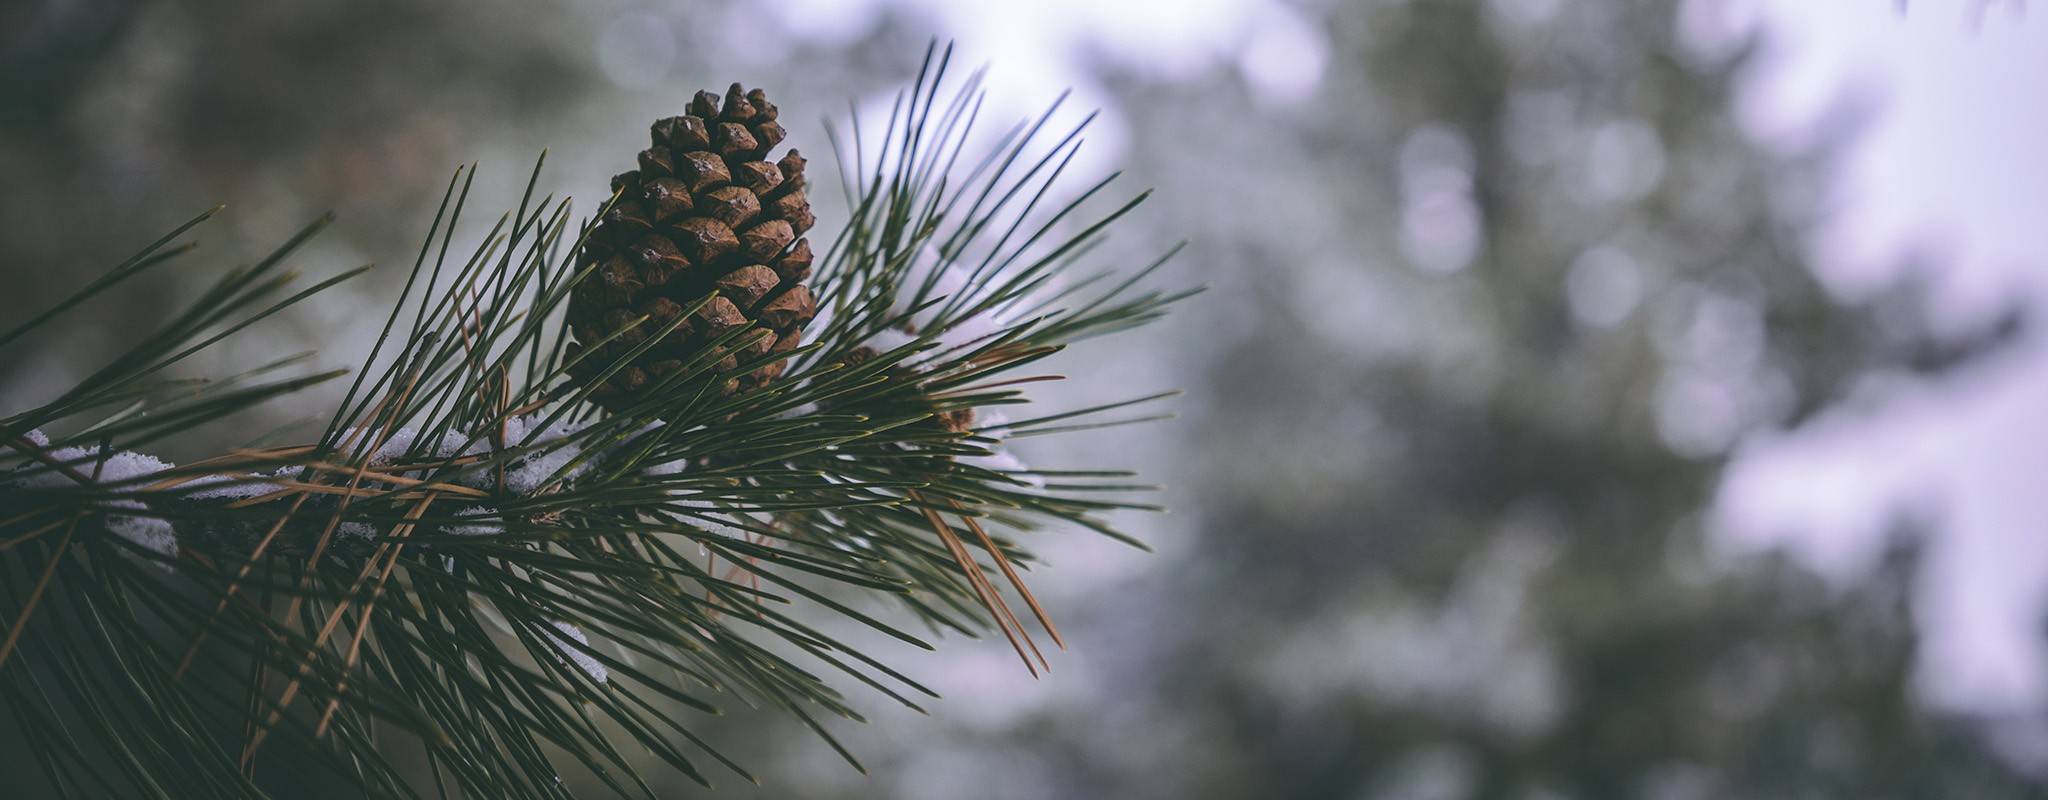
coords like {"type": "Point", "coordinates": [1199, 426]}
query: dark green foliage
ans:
{"type": "Point", "coordinates": [342, 620]}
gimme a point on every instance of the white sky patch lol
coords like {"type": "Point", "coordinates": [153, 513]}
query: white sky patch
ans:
{"type": "Point", "coordinates": [1953, 167]}
{"type": "Point", "coordinates": [1283, 60]}
{"type": "Point", "coordinates": [991, 421]}
{"type": "Point", "coordinates": [1042, 48]}
{"type": "Point", "coordinates": [1006, 462]}
{"type": "Point", "coordinates": [889, 339]}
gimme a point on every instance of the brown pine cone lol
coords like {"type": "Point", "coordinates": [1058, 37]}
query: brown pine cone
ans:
{"type": "Point", "coordinates": [705, 214]}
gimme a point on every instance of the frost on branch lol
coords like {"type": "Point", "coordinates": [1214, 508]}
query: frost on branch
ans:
{"type": "Point", "coordinates": [564, 632]}
{"type": "Point", "coordinates": [152, 533]}
{"type": "Point", "coordinates": [553, 454]}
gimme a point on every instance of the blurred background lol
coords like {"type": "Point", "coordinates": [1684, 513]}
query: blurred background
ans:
{"type": "Point", "coordinates": [1593, 399]}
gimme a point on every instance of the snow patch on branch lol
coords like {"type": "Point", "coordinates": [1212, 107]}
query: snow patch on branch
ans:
{"type": "Point", "coordinates": [550, 450]}
{"type": "Point", "coordinates": [803, 410]}
{"type": "Point", "coordinates": [527, 475]}
{"type": "Point", "coordinates": [151, 533]}
{"type": "Point", "coordinates": [666, 468]}
{"type": "Point", "coordinates": [583, 661]}
{"type": "Point", "coordinates": [121, 466]}
{"type": "Point", "coordinates": [714, 519]}
{"type": "Point", "coordinates": [488, 527]}
{"type": "Point", "coordinates": [237, 487]}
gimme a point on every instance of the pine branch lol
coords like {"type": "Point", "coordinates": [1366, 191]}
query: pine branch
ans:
{"type": "Point", "coordinates": [477, 557]}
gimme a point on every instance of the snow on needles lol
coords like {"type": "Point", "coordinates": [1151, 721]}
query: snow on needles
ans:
{"type": "Point", "coordinates": [152, 533]}
{"type": "Point", "coordinates": [582, 660]}
{"type": "Point", "coordinates": [550, 450]}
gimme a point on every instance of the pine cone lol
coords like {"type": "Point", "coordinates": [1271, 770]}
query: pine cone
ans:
{"type": "Point", "coordinates": [705, 214]}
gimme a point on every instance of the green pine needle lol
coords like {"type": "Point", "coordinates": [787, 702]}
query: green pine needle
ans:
{"type": "Point", "coordinates": [329, 602]}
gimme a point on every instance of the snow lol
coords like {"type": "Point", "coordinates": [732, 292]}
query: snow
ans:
{"type": "Point", "coordinates": [973, 331]}
{"type": "Point", "coordinates": [804, 410]}
{"type": "Point", "coordinates": [666, 468]}
{"type": "Point", "coordinates": [551, 443]}
{"type": "Point", "coordinates": [128, 466]}
{"type": "Point", "coordinates": [392, 448]}
{"type": "Point", "coordinates": [398, 443]}
{"type": "Point", "coordinates": [491, 527]}
{"type": "Point", "coordinates": [716, 521]}
{"type": "Point", "coordinates": [527, 475]}
{"type": "Point", "coordinates": [152, 533]}
{"type": "Point", "coordinates": [235, 487]}
{"type": "Point", "coordinates": [582, 660]}
{"type": "Point", "coordinates": [951, 281]}
{"type": "Point", "coordinates": [552, 451]}
{"type": "Point", "coordinates": [49, 478]}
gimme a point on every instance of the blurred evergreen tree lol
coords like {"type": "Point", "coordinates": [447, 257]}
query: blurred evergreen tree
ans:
{"type": "Point", "coordinates": [1491, 309]}
{"type": "Point", "coordinates": [119, 117]}
{"type": "Point", "coordinates": [1546, 282]}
